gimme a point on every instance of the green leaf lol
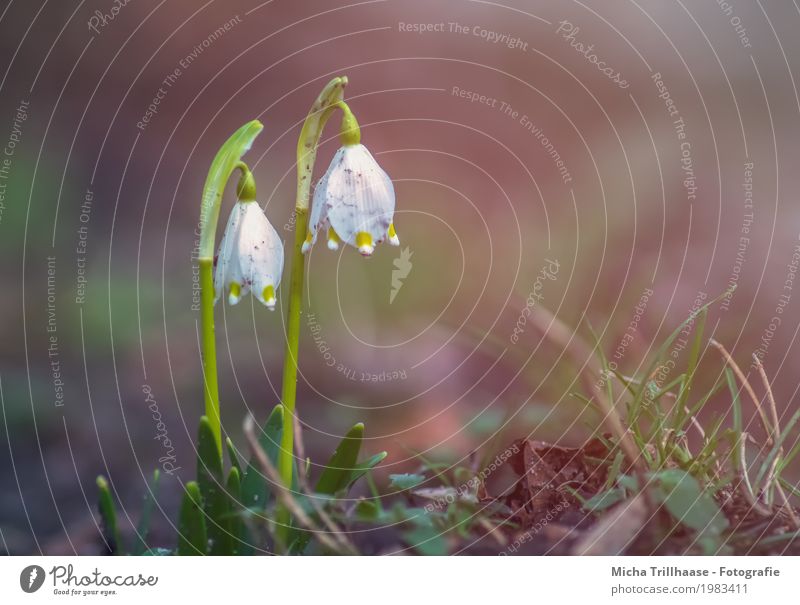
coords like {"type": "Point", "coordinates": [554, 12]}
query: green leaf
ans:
{"type": "Point", "coordinates": [688, 502]}
{"type": "Point", "coordinates": [215, 500]}
{"type": "Point", "coordinates": [109, 516]}
{"type": "Point", "coordinates": [414, 514]}
{"type": "Point", "coordinates": [426, 540]}
{"type": "Point", "coordinates": [236, 525]}
{"type": "Point", "coordinates": [234, 457]}
{"type": "Point", "coordinates": [604, 500]}
{"type": "Point", "coordinates": [362, 468]}
{"type": "Point", "coordinates": [368, 510]}
{"type": "Point", "coordinates": [340, 473]}
{"type": "Point", "coordinates": [406, 480]}
{"type": "Point", "coordinates": [335, 477]}
{"type": "Point", "coordinates": [342, 464]}
{"type": "Point", "coordinates": [297, 538]}
{"type": "Point", "coordinates": [192, 536]}
{"type": "Point", "coordinates": [298, 541]}
{"type": "Point", "coordinates": [209, 462]}
{"type": "Point", "coordinates": [629, 482]}
{"type": "Point", "coordinates": [255, 486]}
{"type": "Point", "coordinates": [147, 510]}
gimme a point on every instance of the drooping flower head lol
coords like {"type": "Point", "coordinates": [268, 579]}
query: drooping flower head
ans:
{"type": "Point", "coordinates": [354, 200]}
{"type": "Point", "coordinates": [250, 254]}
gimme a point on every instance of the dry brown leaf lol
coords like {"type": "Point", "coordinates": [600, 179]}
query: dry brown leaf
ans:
{"type": "Point", "coordinates": [545, 475]}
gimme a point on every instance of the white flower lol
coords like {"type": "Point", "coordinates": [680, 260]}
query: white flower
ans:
{"type": "Point", "coordinates": [250, 256]}
{"type": "Point", "coordinates": [354, 201]}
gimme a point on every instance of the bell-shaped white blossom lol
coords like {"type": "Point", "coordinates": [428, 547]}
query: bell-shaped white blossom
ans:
{"type": "Point", "coordinates": [354, 201]}
{"type": "Point", "coordinates": [250, 256]}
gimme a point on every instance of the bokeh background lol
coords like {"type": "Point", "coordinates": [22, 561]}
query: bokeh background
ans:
{"type": "Point", "coordinates": [524, 175]}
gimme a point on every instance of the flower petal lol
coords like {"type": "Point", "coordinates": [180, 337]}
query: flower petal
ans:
{"type": "Point", "coordinates": [355, 196]}
{"type": "Point", "coordinates": [250, 256]}
{"type": "Point", "coordinates": [227, 268]}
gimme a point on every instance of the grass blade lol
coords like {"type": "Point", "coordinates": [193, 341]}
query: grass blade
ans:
{"type": "Point", "coordinates": [776, 448]}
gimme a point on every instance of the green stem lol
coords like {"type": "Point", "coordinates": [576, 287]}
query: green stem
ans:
{"type": "Point", "coordinates": [227, 160]}
{"type": "Point", "coordinates": [307, 144]}
{"type": "Point", "coordinates": [289, 392]}
{"type": "Point", "coordinates": [211, 386]}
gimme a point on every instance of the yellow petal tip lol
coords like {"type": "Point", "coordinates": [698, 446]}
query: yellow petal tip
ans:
{"type": "Point", "coordinates": [364, 243]}
{"type": "Point", "coordinates": [269, 297]}
{"type": "Point", "coordinates": [333, 239]}
{"type": "Point", "coordinates": [393, 239]}
{"type": "Point", "coordinates": [307, 243]}
{"type": "Point", "coordinates": [234, 294]}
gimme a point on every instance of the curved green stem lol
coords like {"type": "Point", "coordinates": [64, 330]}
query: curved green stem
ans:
{"type": "Point", "coordinates": [307, 144]}
{"type": "Point", "coordinates": [227, 160]}
{"type": "Point", "coordinates": [349, 132]}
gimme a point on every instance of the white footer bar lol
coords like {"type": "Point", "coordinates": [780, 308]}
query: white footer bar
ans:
{"type": "Point", "coordinates": [406, 580]}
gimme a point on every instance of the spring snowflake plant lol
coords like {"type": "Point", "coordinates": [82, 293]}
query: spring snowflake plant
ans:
{"type": "Point", "coordinates": [267, 505]}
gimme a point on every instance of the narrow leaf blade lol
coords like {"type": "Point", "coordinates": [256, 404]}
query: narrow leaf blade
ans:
{"type": "Point", "coordinates": [192, 535]}
{"type": "Point", "coordinates": [209, 480]}
{"type": "Point", "coordinates": [109, 516]}
{"type": "Point", "coordinates": [143, 528]}
{"type": "Point", "coordinates": [342, 463]}
{"type": "Point", "coordinates": [255, 486]}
